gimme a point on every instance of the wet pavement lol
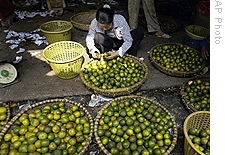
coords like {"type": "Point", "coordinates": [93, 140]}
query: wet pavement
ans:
{"type": "Point", "coordinates": [37, 82]}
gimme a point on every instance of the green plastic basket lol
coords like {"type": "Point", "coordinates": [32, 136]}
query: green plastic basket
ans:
{"type": "Point", "coordinates": [197, 32]}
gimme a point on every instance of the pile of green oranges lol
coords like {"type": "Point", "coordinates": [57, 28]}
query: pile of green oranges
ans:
{"type": "Point", "coordinates": [201, 139]}
{"type": "Point", "coordinates": [52, 130]}
{"type": "Point", "coordinates": [135, 126]}
{"type": "Point", "coordinates": [3, 115]}
{"type": "Point", "coordinates": [197, 92]}
{"type": "Point", "coordinates": [120, 72]}
{"type": "Point", "coordinates": [177, 57]}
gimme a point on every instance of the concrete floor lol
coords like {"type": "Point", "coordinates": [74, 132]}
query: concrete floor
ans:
{"type": "Point", "coordinates": [38, 82]}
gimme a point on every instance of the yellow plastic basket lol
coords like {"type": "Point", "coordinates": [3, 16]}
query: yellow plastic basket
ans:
{"type": "Point", "coordinates": [200, 120]}
{"type": "Point", "coordinates": [197, 32]}
{"type": "Point", "coordinates": [65, 58]}
{"type": "Point", "coordinates": [57, 30]}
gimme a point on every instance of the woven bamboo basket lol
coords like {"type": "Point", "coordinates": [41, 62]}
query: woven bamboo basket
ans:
{"type": "Point", "coordinates": [82, 20]}
{"type": "Point", "coordinates": [68, 103]}
{"type": "Point", "coordinates": [125, 98]}
{"type": "Point", "coordinates": [57, 30]}
{"type": "Point", "coordinates": [119, 91]}
{"type": "Point", "coordinates": [200, 120]}
{"type": "Point", "coordinates": [65, 58]}
{"type": "Point", "coordinates": [184, 96]}
{"type": "Point", "coordinates": [171, 72]}
{"type": "Point", "coordinates": [168, 24]}
{"type": "Point", "coordinates": [2, 104]}
{"type": "Point", "coordinates": [21, 5]}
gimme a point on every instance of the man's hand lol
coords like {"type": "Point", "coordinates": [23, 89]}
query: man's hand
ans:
{"type": "Point", "coordinates": [112, 55]}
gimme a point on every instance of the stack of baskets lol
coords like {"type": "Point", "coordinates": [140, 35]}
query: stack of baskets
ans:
{"type": "Point", "coordinates": [64, 56]}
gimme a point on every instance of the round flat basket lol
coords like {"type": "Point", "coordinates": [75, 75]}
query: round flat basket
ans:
{"type": "Point", "coordinates": [82, 20]}
{"type": "Point", "coordinates": [65, 58]}
{"type": "Point", "coordinates": [118, 91]}
{"type": "Point", "coordinates": [5, 113]}
{"type": "Point", "coordinates": [132, 118]}
{"type": "Point", "coordinates": [57, 30]}
{"type": "Point", "coordinates": [168, 24]}
{"type": "Point", "coordinates": [176, 59]}
{"type": "Point", "coordinates": [195, 93]}
{"type": "Point", "coordinates": [44, 121]}
{"type": "Point", "coordinates": [199, 120]}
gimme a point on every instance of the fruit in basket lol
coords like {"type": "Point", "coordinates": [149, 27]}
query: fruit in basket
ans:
{"type": "Point", "coordinates": [122, 129]}
{"type": "Point", "coordinates": [197, 92]}
{"type": "Point", "coordinates": [39, 132]}
{"type": "Point", "coordinates": [201, 139]}
{"type": "Point", "coordinates": [177, 57]}
{"type": "Point", "coordinates": [120, 72]}
{"type": "Point", "coordinates": [3, 115]}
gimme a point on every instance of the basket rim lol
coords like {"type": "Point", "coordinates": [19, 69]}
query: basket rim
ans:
{"type": "Point", "coordinates": [187, 103]}
{"type": "Point", "coordinates": [76, 24]}
{"type": "Point", "coordinates": [11, 122]}
{"type": "Point", "coordinates": [63, 42]}
{"type": "Point", "coordinates": [53, 21]}
{"type": "Point", "coordinates": [186, 132]}
{"type": "Point", "coordinates": [172, 72]}
{"type": "Point", "coordinates": [119, 91]}
{"type": "Point", "coordinates": [194, 35]}
{"type": "Point", "coordinates": [128, 97]}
